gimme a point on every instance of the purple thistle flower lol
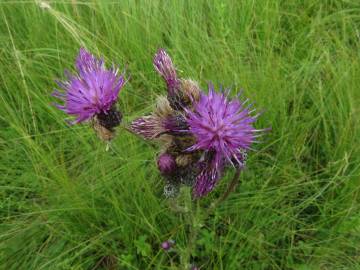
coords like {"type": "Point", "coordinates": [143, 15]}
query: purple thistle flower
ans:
{"type": "Point", "coordinates": [152, 126]}
{"type": "Point", "coordinates": [165, 67]}
{"type": "Point", "coordinates": [223, 129]}
{"type": "Point", "coordinates": [167, 245]}
{"type": "Point", "coordinates": [206, 181]}
{"type": "Point", "coordinates": [181, 92]}
{"type": "Point", "coordinates": [149, 126]}
{"type": "Point", "coordinates": [93, 91]}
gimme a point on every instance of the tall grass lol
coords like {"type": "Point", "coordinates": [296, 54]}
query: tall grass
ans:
{"type": "Point", "coordinates": [66, 203]}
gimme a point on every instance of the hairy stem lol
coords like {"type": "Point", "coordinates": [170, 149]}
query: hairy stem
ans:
{"type": "Point", "coordinates": [194, 219]}
{"type": "Point", "coordinates": [231, 187]}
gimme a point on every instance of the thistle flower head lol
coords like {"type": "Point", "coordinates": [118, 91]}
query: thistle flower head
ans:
{"type": "Point", "coordinates": [206, 181]}
{"type": "Point", "coordinates": [224, 131]}
{"type": "Point", "coordinates": [164, 120]}
{"type": "Point", "coordinates": [165, 67]}
{"type": "Point", "coordinates": [92, 91]}
{"type": "Point", "coordinates": [167, 245]}
{"type": "Point", "coordinates": [221, 125]}
{"type": "Point", "coordinates": [149, 127]}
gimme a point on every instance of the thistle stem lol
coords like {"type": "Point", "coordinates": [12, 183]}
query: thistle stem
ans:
{"type": "Point", "coordinates": [194, 219]}
{"type": "Point", "coordinates": [231, 187]}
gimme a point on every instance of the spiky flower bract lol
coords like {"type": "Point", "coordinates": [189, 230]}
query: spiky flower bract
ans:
{"type": "Point", "coordinates": [165, 67]}
{"type": "Point", "coordinates": [164, 120]}
{"type": "Point", "coordinates": [223, 129]}
{"type": "Point", "coordinates": [93, 90]}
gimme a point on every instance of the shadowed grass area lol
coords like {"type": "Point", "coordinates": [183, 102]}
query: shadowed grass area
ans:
{"type": "Point", "coordinates": [66, 203]}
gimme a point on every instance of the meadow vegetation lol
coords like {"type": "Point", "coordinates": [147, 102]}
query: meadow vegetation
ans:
{"type": "Point", "coordinates": [67, 203]}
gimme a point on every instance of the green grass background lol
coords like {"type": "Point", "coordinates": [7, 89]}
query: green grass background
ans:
{"type": "Point", "coordinates": [66, 203]}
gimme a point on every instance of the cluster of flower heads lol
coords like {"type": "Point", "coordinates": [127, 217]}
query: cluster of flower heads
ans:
{"type": "Point", "coordinates": [91, 94]}
{"type": "Point", "coordinates": [201, 133]}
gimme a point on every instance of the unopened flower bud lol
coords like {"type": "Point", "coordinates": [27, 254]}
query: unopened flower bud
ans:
{"type": "Point", "coordinates": [166, 164]}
